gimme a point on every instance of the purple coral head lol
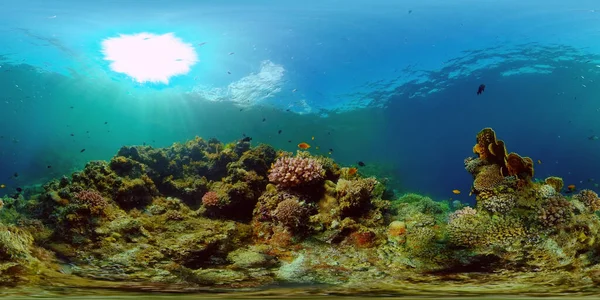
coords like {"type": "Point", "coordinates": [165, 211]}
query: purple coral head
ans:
{"type": "Point", "coordinates": [290, 172]}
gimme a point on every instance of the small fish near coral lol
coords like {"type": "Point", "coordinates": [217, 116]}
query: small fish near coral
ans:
{"type": "Point", "coordinates": [481, 89]}
{"type": "Point", "coordinates": [303, 146]}
{"type": "Point", "coordinates": [456, 192]}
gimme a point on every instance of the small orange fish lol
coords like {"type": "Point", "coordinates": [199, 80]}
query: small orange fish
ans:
{"type": "Point", "coordinates": [539, 162]}
{"type": "Point", "coordinates": [455, 192]}
{"type": "Point", "coordinates": [352, 171]}
{"type": "Point", "coordinates": [571, 187]}
{"type": "Point", "coordinates": [303, 146]}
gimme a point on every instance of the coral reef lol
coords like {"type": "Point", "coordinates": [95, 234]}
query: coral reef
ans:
{"type": "Point", "coordinates": [203, 213]}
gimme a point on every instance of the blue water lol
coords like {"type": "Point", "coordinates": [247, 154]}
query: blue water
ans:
{"type": "Point", "coordinates": [390, 83]}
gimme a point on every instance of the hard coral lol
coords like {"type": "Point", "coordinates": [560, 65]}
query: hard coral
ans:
{"type": "Point", "coordinates": [590, 199]}
{"type": "Point", "coordinates": [488, 148]}
{"type": "Point", "coordinates": [93, 200]}
{"type": "Point", "coordinates": [500, 203]}
{"type": "Point", "coordinates": [291, 213]}
{"type": "Point", "coordinates": [472, 164]}
{"type": "Point", "coordinates": [556, 182]}
{"type": "Point", "coordinates": [522, 167]}
{"type": "Point", "coordinates": [461, 212]}
{"type": "Point", "coordinates": [210, 199]}
{"type": "Point", "coordinates": [289, 172]}
{"type": "Point", "coordinates": [354, 196]}
{"type": "Point", "coordinates": [488, 178]}
{"type": "Point", "coordinates": [555, 211]}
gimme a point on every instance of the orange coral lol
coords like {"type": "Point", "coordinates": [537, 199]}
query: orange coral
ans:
{"type": "Point", "coordinates": [555, 182]}
{"type": "Point", "coordinates": [488, 178]}
{"type": "Point", "coordinates": [522, 167]}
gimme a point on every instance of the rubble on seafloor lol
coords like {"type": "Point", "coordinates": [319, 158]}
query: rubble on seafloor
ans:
{"type": "Point", "coordinates": [203, 214]}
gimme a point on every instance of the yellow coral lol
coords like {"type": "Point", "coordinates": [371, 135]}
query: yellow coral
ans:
{"type": "Point", "coordinates": [556, 182]}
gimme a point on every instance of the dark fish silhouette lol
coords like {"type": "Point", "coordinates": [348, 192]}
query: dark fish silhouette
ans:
{"type": "Point", "coordinates": [246, 139]}
{"type": "Point", "coordinates": [279, 132]}
{"type": "Point", "coordinates": [481, 89]}
{"type": "Point", "coordinates": [19, 189]}
{"type": "Point", "coordinates": [82, 150]}
{"type": "Point", "coordinates": [362, 164]}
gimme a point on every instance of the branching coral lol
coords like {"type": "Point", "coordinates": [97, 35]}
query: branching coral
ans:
{"type": "Point", "coordinates": [289, 172]}
{"type": "Point", "coordinates": [461, 212]}
{"type": "Point", "coordinates": [500, 203]}
{"type": "Point", "coordinates": [92, 199]}
{"type": "Point", "coordinates": [555, 211]}
{"type": "Point", "coordinates": [211, 199]}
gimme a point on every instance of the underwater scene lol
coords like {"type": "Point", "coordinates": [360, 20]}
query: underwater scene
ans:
{"type": "Point", "coordinates": [309, 149]}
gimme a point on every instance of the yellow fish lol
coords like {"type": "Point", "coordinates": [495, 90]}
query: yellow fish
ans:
{"type": "Point", "coordinates": [455, 192]}
{"type": "Point", "coordinates": [313, 138]}
{"type": "Point", "coordinates": [539, 162]}
{"type": "Point", "coordinates": [2, 186]}
{"type": "Point", "coordinates": [329, 153]}
{"type": "Point", "coordinates": [317, 147]}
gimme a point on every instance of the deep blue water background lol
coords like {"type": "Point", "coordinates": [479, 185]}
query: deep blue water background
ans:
{"type": "Point", "coordinates": [390, 83]}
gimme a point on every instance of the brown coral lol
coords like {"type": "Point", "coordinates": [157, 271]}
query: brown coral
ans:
{"type": "Point", "coordinates": [488, 178]}
{"type": "Point", "coordinates": [555, 211]}
{"type": "Point", "coordinates": [590, 199]}
{"type": "Point", "coordinates": [489, 148]}
{"type": "Point", "coordinates": [291, 213]}
{"type": "Point", "coordinates": [522, 167]}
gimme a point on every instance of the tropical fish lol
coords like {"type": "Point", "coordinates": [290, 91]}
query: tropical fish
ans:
{"type": "Point", "coordinates": [313, 138]}
{"type": "Point", "coordinates": [455, 192]}
{"type": "Point", "coordinates": [362, 164]}
{"type": "Point", "coordinates": [2, 186]}
{"type": "Point", "coordinates": [481, 89]}
{"type": "Point", "coordinates": [303, 146]}
{"type": "Point", "coordinates": [539, 162]}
